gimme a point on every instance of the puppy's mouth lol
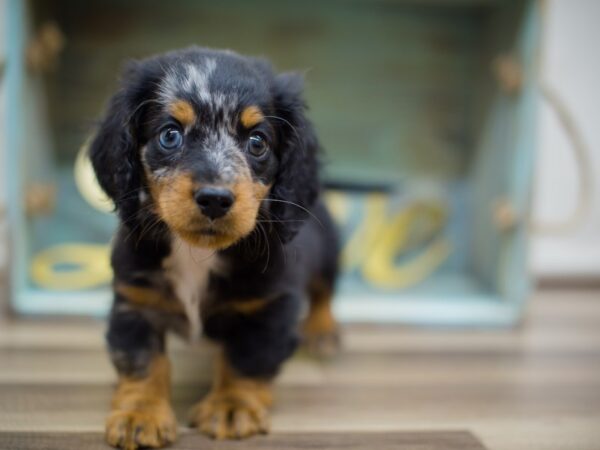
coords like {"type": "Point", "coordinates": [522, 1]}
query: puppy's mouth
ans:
{"type": "Point", "coordinates": [206, 231]}
{"type": "Point", "coordinates": [217, 235]}
{"type": "Point", "coordinates": [197, 224]}
{"type": "Point", "coordinates": [209, 232]}
{"type": "Point", "coordinates": [201, 229]}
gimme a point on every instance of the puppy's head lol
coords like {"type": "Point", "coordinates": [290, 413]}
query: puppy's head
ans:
{"type": "Point", "coordinates": [210, 142]}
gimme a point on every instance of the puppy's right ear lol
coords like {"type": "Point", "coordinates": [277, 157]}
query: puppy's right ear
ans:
{"type": "Point", "coordinates": [114, 150]}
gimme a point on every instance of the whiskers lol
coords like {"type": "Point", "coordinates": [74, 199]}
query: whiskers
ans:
{"type": "Point", "coordinates": [266, 237]}
{"type": "Point", "coordinates": [297, 206]}
{"type": "Point", "coordinates": [143, 220]}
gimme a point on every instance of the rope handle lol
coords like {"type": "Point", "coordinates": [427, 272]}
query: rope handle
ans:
{"type": "Point", "coordinates": [582, 160]}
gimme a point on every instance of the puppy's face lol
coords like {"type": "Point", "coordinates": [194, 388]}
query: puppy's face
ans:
{"type": "Point", "coordinates": [203, 137]}
{"type": "Point", "coordinates": [209, 157]}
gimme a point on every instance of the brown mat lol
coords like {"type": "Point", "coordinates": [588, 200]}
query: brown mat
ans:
{"type": "Point", "coordinates": [420, 440]}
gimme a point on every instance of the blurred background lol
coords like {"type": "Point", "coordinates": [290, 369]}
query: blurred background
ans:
{"type": "Point", "coordinates": [441, 122]}
{"type": "Point", "coordinates": [462, 160]}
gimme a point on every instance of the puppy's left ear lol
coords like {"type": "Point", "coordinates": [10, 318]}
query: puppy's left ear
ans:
{"type": "Point", "coordinates": [296, 185]}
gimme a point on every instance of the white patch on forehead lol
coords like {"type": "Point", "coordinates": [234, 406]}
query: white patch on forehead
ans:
{"type": "Point", "coordinates": [196, 79]}
{"type": "Point", "coordinates": [221, 101]}
{"type": "Point", "coordinates": [188, 269]}
{"type": "Point", "coordinates": [193, 80]}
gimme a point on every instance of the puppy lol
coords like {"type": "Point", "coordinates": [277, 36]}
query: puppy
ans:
{"type": "Point", "coordinates": [213, 168]}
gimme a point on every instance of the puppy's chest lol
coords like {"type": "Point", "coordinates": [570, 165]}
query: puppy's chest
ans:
{"type": "Point", "coordinates": [188, 270]}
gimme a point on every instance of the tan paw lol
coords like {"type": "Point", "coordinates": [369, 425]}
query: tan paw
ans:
{"type": "Point", "coordinates": [129, 430]}
{"type": "Point", "coordinates": [231, 414]}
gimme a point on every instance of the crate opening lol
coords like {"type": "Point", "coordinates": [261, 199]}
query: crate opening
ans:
{"type": "Point", "coordinates": [404, 99]}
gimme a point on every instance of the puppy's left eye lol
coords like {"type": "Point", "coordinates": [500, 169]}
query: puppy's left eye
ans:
{"type": "Point", "coordinates": [257, 145]}
{"type": "Point", "coordinates": [170, 138]}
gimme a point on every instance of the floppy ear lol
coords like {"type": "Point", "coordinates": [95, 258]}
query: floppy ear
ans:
{"type": "Point", "coordinates": [114, 149]}
{"type": "Point", "coordinates": [296, 185]}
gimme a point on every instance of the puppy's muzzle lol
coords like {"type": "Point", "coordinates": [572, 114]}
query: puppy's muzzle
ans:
{"type": "Point", "coordinates": [214, 202]}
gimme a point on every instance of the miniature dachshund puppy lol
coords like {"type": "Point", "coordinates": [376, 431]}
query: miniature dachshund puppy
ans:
{"type": "Point", "coordinates": [212, 165]}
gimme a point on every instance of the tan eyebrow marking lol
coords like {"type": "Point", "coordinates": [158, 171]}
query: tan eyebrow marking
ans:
{"type": "Point", "coordinates": [251, 116]}
{"type": "Point", "coordinates": [183, 112]}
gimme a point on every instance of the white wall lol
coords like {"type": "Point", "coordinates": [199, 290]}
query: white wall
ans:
{"type": "Point", "coordinates": [571, 65]}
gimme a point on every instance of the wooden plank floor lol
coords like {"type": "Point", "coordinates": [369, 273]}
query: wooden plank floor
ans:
{"type": "Point", "coordinates": [535, 387]}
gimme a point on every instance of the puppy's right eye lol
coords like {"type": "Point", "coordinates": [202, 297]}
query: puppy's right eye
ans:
{"type": "Point", "coordinates": [170, 138]}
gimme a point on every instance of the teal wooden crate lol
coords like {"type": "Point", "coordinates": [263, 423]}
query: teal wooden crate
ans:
{"type": "Point", "coordinates": [435, 101]}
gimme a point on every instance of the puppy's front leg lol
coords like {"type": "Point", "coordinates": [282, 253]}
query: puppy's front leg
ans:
{"type": "Point", "coordinates": [141, 414]}
{"type": "Point", "coordinates": [256, 336]}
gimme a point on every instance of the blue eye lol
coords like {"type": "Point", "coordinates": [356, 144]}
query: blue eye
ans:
{"type": "Point", "coordinates": [170, 138]}
{"type": "Point", "coordinates": [257, 145]}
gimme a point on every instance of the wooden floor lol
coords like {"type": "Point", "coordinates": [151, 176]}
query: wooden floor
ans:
{"type": "Point", "coordinates": [536, 387]}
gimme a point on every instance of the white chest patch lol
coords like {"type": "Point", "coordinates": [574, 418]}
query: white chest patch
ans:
{"type": "Point", "coordinates": [188, 268]}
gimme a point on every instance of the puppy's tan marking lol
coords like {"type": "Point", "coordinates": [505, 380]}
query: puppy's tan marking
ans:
{"type": "Point", "coordinates": [251, 116]}
{"type": "Point", "coordinates": [248, 194]}
{"type": "Point", "coordinates": [173, 196]}
{"type": "Point", "coordinates": [149, 298]}
{"type": "Point", "coordinates": [236, 407]}
{"type": "Point", "coordinates": [183, 111]}
{"type": "Point", "coordinates": [141, 413]}
{"type": "Point", "coordinates": [248, 306]}
{"type": "Point", "coordinates": [175, 200]}
{"type": "Point", "coordinates": [320, 330]}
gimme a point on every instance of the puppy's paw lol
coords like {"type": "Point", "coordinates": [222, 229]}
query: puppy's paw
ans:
{"type": "Point", "coordinates": [155, 427]}
{"type": "Point", "coordinates": [232, 414]}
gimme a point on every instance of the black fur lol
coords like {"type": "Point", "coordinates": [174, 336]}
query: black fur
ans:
{"type": "Point", "coordinates": [297, 245]}
{"type": "Point", "coordinates": [114, 150]}
{"type": "Point", "coordinates": [297, 179]}
{"type": "Point", "coordinates": [132, 340]}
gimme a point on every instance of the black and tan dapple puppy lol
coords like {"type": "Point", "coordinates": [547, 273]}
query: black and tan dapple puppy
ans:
{"type": "Point", "coordinates": [212, 165]}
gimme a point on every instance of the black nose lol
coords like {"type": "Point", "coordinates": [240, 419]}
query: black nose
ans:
{"type": "Point", "coordinates": [214, 202]}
